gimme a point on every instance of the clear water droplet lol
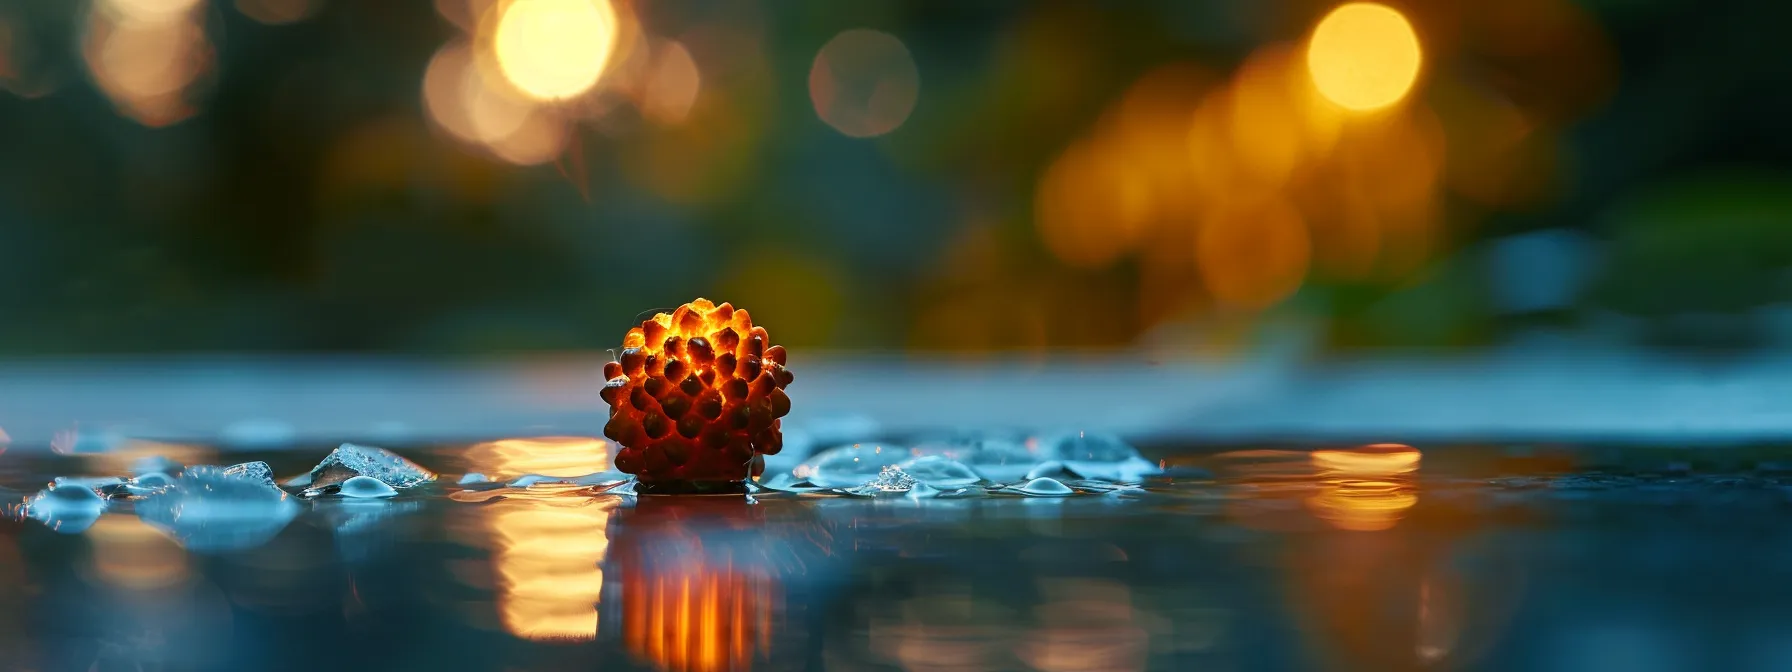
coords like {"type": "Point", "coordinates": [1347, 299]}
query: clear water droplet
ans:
{"type": "Point", "coordinates": [998, 460]}
{"type": "Point", "coordinates": [365, 487]}
{"type": "Point", "coordinates": [890, 480]}
{"type": "Point", "coordinates": [474, 477]}
{"type": "Point", "coordinates": [1044, 487]}
{"type": "Point", "coordinates": [1100, 456]}
{"type": "Point", "coordinates": [68, 509]}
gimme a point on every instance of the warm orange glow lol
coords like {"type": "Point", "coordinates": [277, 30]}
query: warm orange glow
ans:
{"type": "Point", "coordinates": [145, 56]}
{"type": "Point", "coordinates": [276, 12]}
{"type": "Point", "coordinates": [696, 395]}
{"type": "Point", "coordinates": [463, 100]}
{"type": "Point", "coordinates": [1253, 256]}
{"type": "Point", "coordinates": [1090, 207]}
{"type": "Point", "coordinates": [555, 49]}
{"type": "Point", "coordinates": [864, 83]}
{"type": "Point", "coordinates": [1365, 489]}
{"type": "Point", "coordinates": [560, 456]}
{"type": "Point", "coordinates": [696, 617]}
{"type": "Point", "coordinates": [671, 85]}
{"type": "Point", "coordinates": [129, 553]}
{"type": "Point", "coordinates": [545, 557]}
{"type": "Point", "coordinates": [1364, 56]}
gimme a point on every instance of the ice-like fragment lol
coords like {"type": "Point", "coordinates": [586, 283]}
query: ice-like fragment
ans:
{"type": "Point", "coordinates": [1100, 456]}
{"type": "Point", "coordinates": [922, 491]}
{"type": "Point", "coordinates": [850, 465]}
{"type": "Point", "coordinates": [474, 477]}
{"type": "Point", "coordinates": [154, 464]}
{"type": "Point", "coordinates": [365, 487]}
{"type": "Point", "coordinates": [66, 508]}
{"type": "Point", "coordinates": [207, 510]}
{"type": "Point", "coordinates": [148, 484]}
{"type": "Point", "coordinates": [939, 471]}
{"type": "Point", "coordinates": [890, 480]}
{"type": "Point", "coordinates": [350, 460]}
{"type": "Point", "coordinates": [994, 459]}
{"type": "Point", "coordinates": [256, 471]}
{"type": "Point", "coordinates": [1044, 487]}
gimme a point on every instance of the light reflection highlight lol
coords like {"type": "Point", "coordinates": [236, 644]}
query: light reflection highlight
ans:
{"type": "Point", "coordinates": [1366, 489]}
{"type": "Point", "coordinates": [131, 554]}
{"type": "Point", "coordinates": [555, 49]}
{"type": "Point", "coordinates": [546, 558]}
{"type": "Point", "coordinates": [560, 456]}
{"type": "Point", "coordinates": [146, 56]}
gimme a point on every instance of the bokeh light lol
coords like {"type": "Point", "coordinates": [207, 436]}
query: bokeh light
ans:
{"type": "Point", "coordinates": [146, 55]}
{"type": "Point", "coordinates": [1364, 56]}
{"type": "Point", "coordinates": [277, 12]}
{"type": "Point", "coordinates": [864, 83]}
{"type": "Point", "coordinates": [555, 49]}
{"type": "Point", "coordinates": [1254, 255]}
{"type": "Point", "coordinates": [482, 110]}
{"type": "Point", "coordinates": [671, 85]}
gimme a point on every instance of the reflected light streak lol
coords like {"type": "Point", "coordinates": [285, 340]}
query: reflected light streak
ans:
{"type": "Point", "coordinates": [1366, 489]}
{"type": "Point", "coordinates": [555, 49]}
{"type": "Point", "coordinates": [563, 456]}
{"type": "Point", "coordinates": [1087, 625]}
{"type": "Point", "coordinates": [864, 83]}
{"type": "Point", "coordinates": [546, 559]}
{"type": "Point", "coordinates": [1364, 56]}
{"type": "Point", "coordinates": [696, 617]}
{"type": "Point", "coordinates": [129, 553]}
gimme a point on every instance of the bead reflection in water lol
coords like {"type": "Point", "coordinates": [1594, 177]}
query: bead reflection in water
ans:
{"type": "Point", "coordinates": [546, 559]}
{"type": "Point", "coordinates": [1365, 489]}
{"type": "Point", "coordinates": [697, 616]}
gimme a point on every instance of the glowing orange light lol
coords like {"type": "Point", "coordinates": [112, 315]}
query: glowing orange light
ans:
{"type": "Point", "coordinates": [1366, 489]}
{"type": "Point", "coordinates": [864, 83]}
{"type": "Point", "coordinates": [697, 617]}
{"type": "Point", "coordinates": [1090, 207]}
{"type": "Point", "coordinates": [696, 396]}
{"type": "Point", "coordinates": [555, 49]}
{"type": "Point", "coordinates": [546, 561]}
{"type": "Point", "coordinates": [462, 100]}
{"type": "Point", "coordinates": [562, 456]}
{"type": "Point", "coordinates": [1364, 56]}
{"type": "Point", "coordinates": [1253, 256]}
{"type": "Point", "coordinates": [276, 12]}
{"type": "Point", "coordinates": [148, 10]}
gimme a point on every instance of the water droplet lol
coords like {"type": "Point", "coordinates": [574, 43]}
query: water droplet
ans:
{"type": "Point", "coordinates": [366, 487]}
{"type": "Point", "coordinates": [1100, 456]}
{"type": "Point", "coordinates": [1044, 487]}
{"type": "Point", "coordinates": [474, 477]}
{"type": "Point", "coordinates": [922, 491]}
{"type": "Point", "coordinates": [998, 460]}
{"type": "Point", "coordinates": [68, 509]}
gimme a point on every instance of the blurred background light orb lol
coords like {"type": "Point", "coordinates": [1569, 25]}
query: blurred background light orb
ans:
{"type": "Point", "coordinates": [1364, 56]}
{"type": "Point", "coordinates": [555, 49]}
{"type": "Point", "coordinates": [864, 83]}
{"type": "Point", "coordinates": [278, 12]}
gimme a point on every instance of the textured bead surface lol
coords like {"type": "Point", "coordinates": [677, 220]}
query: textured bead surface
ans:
{"type": "Point", "coordinates": [696, 395]}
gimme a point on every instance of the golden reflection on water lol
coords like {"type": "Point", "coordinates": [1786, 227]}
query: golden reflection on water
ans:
{"type": "Point", "coordinates": [544, 455]}
{"type": "Point", "coordinates": [1365, 489]}
{"type": "Point", "coordinates": [128, 553]}
{"type": "Point", "coordinates": [694, 597]}
{"type": "Point", "coordinates": [545, 558]}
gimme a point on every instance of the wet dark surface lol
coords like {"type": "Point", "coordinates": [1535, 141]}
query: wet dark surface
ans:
{"type": "Point", "coordinates": [1237, 558]}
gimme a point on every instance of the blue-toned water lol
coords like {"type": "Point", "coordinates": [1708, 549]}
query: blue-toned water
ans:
{"type": "Point", "coordinates": [1232, 558]}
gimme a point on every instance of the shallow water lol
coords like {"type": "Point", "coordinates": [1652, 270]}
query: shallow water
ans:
{"type": "Point", "coordinates": [1236, 558]}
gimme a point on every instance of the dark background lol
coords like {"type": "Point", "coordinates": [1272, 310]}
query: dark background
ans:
{"type": "Point", "coordinates": [272, 179]}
